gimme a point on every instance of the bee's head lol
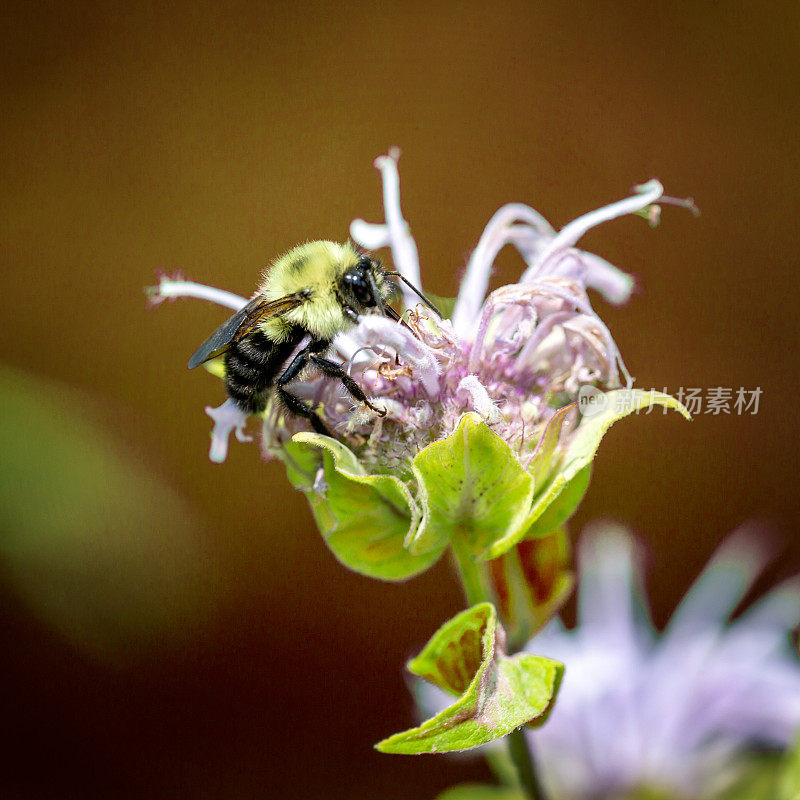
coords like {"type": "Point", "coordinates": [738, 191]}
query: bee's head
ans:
{"type": "Point", "coordinates": [364, 287]}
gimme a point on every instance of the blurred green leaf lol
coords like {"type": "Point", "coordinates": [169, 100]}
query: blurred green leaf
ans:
{"type": "Point", "coordinates": [444, 305]}
{"type": "Point", "coordinates": [497, 693]}
{"type": "Point", "coordinates": [789, 778]}
{"type": "Point", "coordinates": [756, 779]}
{"type": "Point", "coordinates": [476, 791]}
{"type": "Point", "coordinates": [90, 539]}
{"type": "Point", "coordinates": [649, 793]}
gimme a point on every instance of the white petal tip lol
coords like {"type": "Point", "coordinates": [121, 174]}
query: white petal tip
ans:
{"type": "Point", "coordinates": [369, 235]}
{"type": "Point", "coordinates": [652, 186]}
{"type": "Point", "coordinates": [228, 418]}
{"type": "Point", "coordinates": [391, 158]}
{"type": "Point", "coordinates": [218, 452]}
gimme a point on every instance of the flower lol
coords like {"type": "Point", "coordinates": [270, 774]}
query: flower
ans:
{"type": "Point", "coordinates": [669, 711]}
{"type": "Point", "coordinates": [506, 357]}
{"type": "Point", "coordinates": [503, 373]}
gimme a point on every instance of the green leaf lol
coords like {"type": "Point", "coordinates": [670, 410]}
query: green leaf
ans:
{"type": "Point", "coordinates": [477, 791]}
{"type": "Point", "coordinates": [563, 463]}
{"type": "Point", "coordinates": [541, 464]}
{"type": "Point", "coordinates": [456, 652]}
{"type": "Point", "coordinates": [497, 693]}
{"type": "Point", "coordinates": [470, 483]}
{"type": "Point", "coordinates": [789, 779]}
{"type": "Point", "coordinates": [654, 793]}
{"type": "Point", "coordinates": [767, 776]}
{"type": "Point", "coordinates": [364, 519]}
{"type": "Point", "coordinates": [562, 507]}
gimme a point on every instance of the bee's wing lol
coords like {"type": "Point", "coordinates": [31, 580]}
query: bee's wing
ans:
{"type": "Point", "coordinates": [242, 323]}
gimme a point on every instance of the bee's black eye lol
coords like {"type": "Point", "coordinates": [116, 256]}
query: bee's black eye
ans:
{"type": "Point", "coordinates": [358, 284]}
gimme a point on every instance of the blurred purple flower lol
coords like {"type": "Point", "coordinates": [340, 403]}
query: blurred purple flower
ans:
{"type": "Point", "coordinates": [669, 711]}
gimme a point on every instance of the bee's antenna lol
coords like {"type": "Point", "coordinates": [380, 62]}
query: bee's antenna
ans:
{"type": "Point", "coordinates": [416, 291]}
{"type": "Point", "coordinates": [386, 309]}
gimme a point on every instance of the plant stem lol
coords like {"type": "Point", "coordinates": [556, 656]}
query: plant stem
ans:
{"type": "Point", "coordinates": [522, 758]}
{"type": "Point", "coordinates": [474, 574]}
{"type": "Point", "coordinates": [478, 589]}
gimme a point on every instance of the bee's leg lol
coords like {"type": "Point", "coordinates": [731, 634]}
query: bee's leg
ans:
{"type": "Point", "coordinates": [293, 403]}
{"type": "Point", "coordinates": [302, 409]}
{"type": "Point", "coordinates": [333, 370]}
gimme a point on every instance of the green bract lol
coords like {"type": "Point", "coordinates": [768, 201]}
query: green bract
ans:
{"type": "Point", "coordinates": [496, 693]}
{"type": "Point", "coordinates": [365, 519]}
{"type": "Point", "coordinates": [470, 484]}
{"type": "Point", "coordinates": [531, 582]}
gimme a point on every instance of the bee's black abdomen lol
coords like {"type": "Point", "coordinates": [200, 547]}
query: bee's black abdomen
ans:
{"type": "Point", "coordinates": [251, 364]}
{"type": "Point", "coordinates": [255, 349]}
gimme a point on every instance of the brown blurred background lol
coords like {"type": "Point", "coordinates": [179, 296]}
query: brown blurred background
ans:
{"type": "Point", "coordinates": [173, 628]}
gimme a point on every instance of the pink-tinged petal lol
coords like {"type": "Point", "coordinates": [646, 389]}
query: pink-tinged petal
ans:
{"type": "Point", "coordinates": [371, 235]}
{"type": "Point", "coordinates": [614, 284]}
{"type": "Point", "coordinates": [414, 352]}
{"type": "Point", "coordinates": [479, 399]}
{"type": "Point", "coordinates": [579, 301]}
{"type": "Point", "coordinates": [722, 584]}
{"type": "Point", "coordinates": [503, 298]}
{"type": "Point", "coordinates": [502, 229]}
{"type": "Point", "coordinates": [587, 269]}
{"type": "Point", "coordinates": [610, 579]}
{"type": "Point", "coordinates": [646, 194]}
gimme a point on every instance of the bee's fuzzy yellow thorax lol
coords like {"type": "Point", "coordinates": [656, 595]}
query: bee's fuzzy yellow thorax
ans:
{"type": "Point", "coordinates": [315, 267]}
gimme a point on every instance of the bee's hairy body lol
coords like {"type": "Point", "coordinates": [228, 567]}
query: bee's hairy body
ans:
{"type": "Point", "coordinates": [252, 363]}
{"type": "Point", "coordinates": [311, 293]}
{"type": "Point", "coordinates": [316, 268]}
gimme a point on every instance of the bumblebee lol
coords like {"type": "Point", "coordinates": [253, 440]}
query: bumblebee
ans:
{"type": "Point", "coordinates": [308, 295]}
